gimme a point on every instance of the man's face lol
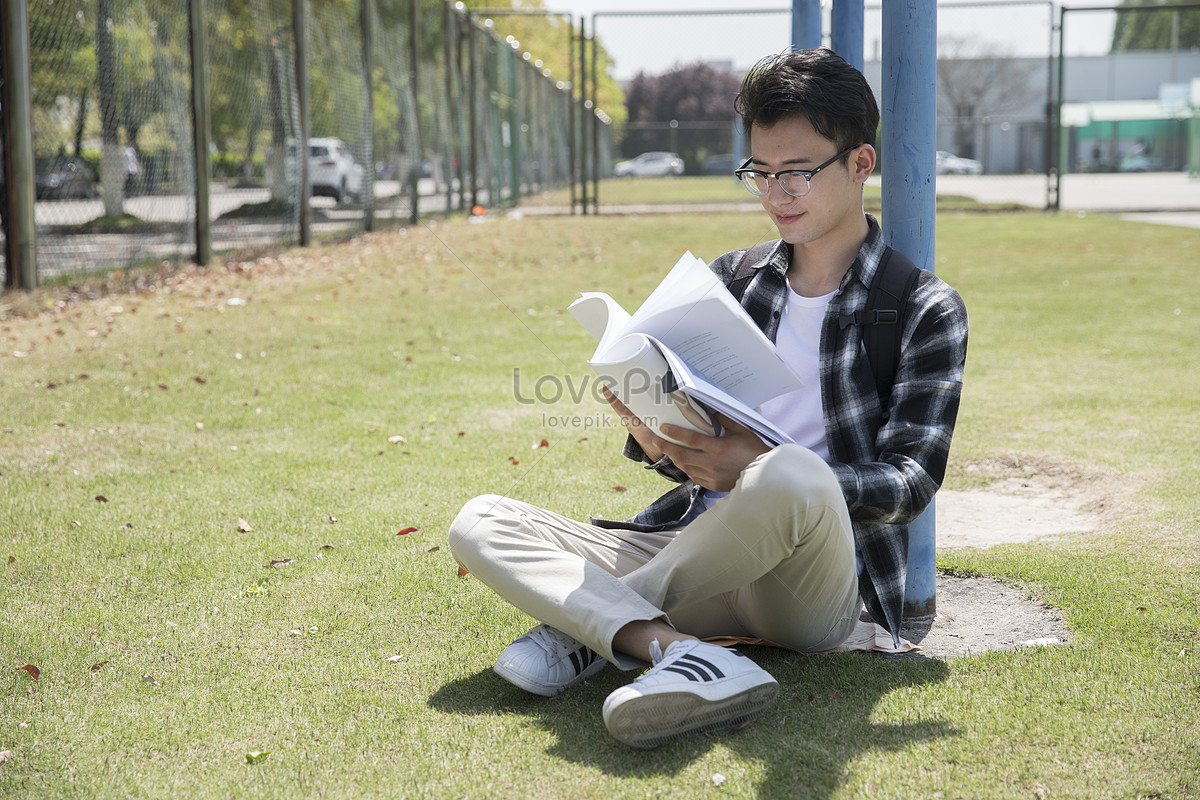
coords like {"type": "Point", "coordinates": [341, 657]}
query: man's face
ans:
{"type": "Point", "coordinates": [835, 193]}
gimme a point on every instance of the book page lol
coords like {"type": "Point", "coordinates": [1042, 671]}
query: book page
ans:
{"type": "Point", "coordinates": [599, 315]}
{"type": "Point", "coordinates": [636, 373]}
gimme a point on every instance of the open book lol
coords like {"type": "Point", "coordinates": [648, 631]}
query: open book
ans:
{"type": "Point", "coordinates": [688, 351]}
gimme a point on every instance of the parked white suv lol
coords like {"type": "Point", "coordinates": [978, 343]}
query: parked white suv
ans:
{"type": "Point", "coordinates": [332, 170]}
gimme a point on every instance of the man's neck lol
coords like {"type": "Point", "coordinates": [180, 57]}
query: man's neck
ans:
{"type": "Point", "coordinates": [818, 267]}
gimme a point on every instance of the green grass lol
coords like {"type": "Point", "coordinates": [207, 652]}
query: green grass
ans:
{"type": "Point", "coordinates": [169, 649]}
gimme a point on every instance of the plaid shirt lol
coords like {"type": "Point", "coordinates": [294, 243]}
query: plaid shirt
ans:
{"type": "Point", "coordinates": [889, 468]}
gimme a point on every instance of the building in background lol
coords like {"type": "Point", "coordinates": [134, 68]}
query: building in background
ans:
{"type": "Point", "coordinates": [1123, 111]}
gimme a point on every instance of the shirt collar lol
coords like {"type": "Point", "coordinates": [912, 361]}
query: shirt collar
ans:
{"type": "Point", "coordinates": [866, 264]}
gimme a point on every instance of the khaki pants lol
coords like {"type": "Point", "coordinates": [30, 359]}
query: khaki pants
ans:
{"type": "Point", "coordinates": [773, 560]}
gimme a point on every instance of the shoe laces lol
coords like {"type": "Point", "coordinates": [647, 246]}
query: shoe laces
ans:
{"type": "Point", "coordinates": [553, 641]}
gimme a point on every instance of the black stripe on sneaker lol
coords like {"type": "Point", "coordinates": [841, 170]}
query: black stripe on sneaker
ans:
{"type": "Point", "coordinates": [716, 673]}
{"type": "Point", "coordinates": [582, 658]}
{"type": "Point", "coordinates": [687, 673]}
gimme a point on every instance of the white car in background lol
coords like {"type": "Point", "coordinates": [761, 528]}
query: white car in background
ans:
{"type": "Point", "coordinates": [332, 170]}
{"type": "Point", "coordinates": [650, 165]}
{"type": "Point", "coordinates": [950, 164]}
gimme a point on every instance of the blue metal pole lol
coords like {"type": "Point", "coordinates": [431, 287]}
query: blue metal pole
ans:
{"type": "Point", "coordinates": [847, 31]}
{"type": "Point", "coordinates": [806, 24]}
{"type": "Point", "coordinates": [909, 112]}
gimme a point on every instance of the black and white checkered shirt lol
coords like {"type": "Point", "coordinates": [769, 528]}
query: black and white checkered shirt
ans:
{"type": "Point", "coordinates": [888, 470]}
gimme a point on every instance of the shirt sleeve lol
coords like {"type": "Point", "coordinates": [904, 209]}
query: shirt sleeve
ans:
{"type": "Point", "coordinates": [913, 444]}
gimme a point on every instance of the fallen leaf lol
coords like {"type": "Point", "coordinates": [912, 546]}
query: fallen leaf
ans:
{"type": "Point", "coordinates": [332, 518]}
{"type": "Point", "coordinates": [406, 531]}
{"type": "Point", "coordinates": [255, 756]}
{"type": "Point", "coordinates": [542, 443]}
{"type": "Point", "coordinates": [283, 562]}
{"type": "Point", "coordinates": [200, 379]}
{"type": "Point", "coordinates": [462, 573]}
{"type": "Point", "coordinates": [33, 671]}
{"type": "Point", "coordinates": [101, 498]}
{"type": "Point", "coordinates": [244, 526]}
{"type": "Point", "coordinates": [97, 666]}
{"type": "Point", "coordinates": [435, 548]}
{"type": "Point", "coordinates": [618, 488]}
{"type": "Point", "coordinates": [394, 659]}
{"type": "Point", "coordinates": [397, 439]}
{"type": "Point", "coordinates": [513, 461]}
{"type": "Point", "coordinates": [11, 559]}
{"type": "Point", "coordinates": [326, 547]}
{"type": "Point", "coordinates": [150, 679]}
{"type": "Point", "coordinates": [5, 755]}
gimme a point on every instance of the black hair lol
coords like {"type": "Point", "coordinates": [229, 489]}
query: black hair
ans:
{"type": "Point", "coordinates": [817, 84]}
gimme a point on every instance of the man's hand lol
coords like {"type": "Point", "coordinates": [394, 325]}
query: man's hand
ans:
{"type": "Point", "coordinates": [650, 441]}
{"type": "Point", "coordinates": [714, 462]}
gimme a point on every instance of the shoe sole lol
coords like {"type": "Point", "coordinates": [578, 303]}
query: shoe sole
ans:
{"type": "Point", "coordinates": [649, 720]}
{"type": "Point", "coordinates": [544, 689]}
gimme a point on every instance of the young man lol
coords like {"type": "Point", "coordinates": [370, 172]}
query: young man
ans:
{"type": "Point", "coordinates": [780, 544]}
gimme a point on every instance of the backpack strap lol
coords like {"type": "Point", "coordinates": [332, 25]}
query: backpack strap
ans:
{"type": "Point", "coordinates": [882, 320]}
{"type": "Point", "coordinates": [745, 270]}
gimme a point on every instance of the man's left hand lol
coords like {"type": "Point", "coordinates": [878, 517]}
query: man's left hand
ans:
{"type": "Point", "coordinates": [714, 462]}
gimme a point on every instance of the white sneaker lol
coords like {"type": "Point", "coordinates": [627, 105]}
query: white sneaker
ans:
{"type": "Point", "coordinates": [545, 661]}
{"type": "Point", "coordinates": [694, 687]}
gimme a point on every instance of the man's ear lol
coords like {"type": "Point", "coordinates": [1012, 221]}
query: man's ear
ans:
{"type": "Point", "coordinates": [862, 163]}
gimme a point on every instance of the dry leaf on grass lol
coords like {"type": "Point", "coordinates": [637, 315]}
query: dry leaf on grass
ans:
{"type": "Point", "coordinates": [33, 671]}
{"type": "Point", "coordinates": [244, 526]}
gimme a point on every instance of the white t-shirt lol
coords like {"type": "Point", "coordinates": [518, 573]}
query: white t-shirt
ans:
{"type": "Point", "coordinates": [798, 341]}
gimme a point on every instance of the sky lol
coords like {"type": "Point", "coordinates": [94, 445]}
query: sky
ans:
{"type": "Point", "coordinates": [655, 44]}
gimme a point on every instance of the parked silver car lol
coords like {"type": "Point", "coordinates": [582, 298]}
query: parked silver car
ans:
{"type": "Point", "coordinates": [950, 164]}
{"type": "Point", "coordinates": [650, 165]}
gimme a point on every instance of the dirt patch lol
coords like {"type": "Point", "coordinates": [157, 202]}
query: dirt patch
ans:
{"type": "Point", "coordinates": [1025, 500]}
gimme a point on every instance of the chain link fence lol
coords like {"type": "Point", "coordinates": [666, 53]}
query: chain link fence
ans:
{"type": "Point", "coordinates": [393, 108]}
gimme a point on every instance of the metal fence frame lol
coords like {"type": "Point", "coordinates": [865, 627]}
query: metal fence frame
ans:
{"type": "Point", "coordinates": [514, 129]}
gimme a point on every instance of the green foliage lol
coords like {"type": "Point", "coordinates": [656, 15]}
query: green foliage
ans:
{"type": "Point", "coordinates": [1156, 30]}
{"type": "Point", "coordinates": [546, 36]}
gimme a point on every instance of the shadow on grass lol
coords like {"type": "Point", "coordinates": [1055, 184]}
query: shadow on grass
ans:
{"type": "Point", "coordinates": [821, 721]}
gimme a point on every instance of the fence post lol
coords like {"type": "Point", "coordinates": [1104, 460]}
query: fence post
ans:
{"type": "Point", "coordinates": [595, 124]}
{"type": "Point", "coordinates": [368, 45]}
{"type": "Point", "coordinates": [198, 36]}
{"type": "Point", "coordinates": [21, 227]}
{"type": "Point", "coordinates": [583, 128]}
{"type": "Point", "coordinates": [909, 205]}
{"type": "Point", "coordinates": [806, 24]}
{"type": "Point", "coordinates": [571, 144]}
{"type": "Point", "coordinates": [300, 34]}
{"type": "Point", "coordinates": [415, 89]}
{"type": "Point", "coordinates": [847, 31]}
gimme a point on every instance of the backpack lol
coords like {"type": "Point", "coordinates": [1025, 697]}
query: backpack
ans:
{"type": "Point", "coordinates": [881, 320]}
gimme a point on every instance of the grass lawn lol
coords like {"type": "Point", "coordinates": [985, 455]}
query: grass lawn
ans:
{"type": "Point", "coordinates": [201, 490]}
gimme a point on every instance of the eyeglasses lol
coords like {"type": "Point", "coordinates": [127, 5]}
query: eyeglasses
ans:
{"type": "Point", "coordinates": [795, 182]}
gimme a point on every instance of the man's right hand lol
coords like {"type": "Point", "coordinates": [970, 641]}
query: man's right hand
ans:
{"type": "Point", "coordinates": [651, 443]}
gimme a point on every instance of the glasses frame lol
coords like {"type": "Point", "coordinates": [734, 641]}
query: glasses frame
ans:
{"type": "Point", "coordinates": [745, 170]}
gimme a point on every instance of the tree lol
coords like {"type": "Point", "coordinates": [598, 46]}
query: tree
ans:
{"type": "Point", "coordinates": [696, 98]}
{"type": "Point", "coordinates": [546, 37]}
{"type": "Point", "coordinates": [973, 76]}
{"type": "Point", "coordinates": [1164, 29]}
